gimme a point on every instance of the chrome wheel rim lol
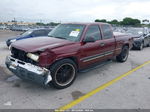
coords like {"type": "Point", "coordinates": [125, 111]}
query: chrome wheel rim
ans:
{"type": "Point", "coordinates": [125, 54]}
{"type": "Point", "coordinates": [65, 74]}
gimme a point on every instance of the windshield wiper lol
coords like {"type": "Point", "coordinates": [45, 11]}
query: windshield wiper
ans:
{"type": "Point", "coordinates": [60, 37]}
{"type": "Point", "coordinates": [56, 37]}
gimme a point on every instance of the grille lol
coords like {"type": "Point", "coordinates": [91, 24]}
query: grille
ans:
{"type": "Point", "coordinates": [22, 55]}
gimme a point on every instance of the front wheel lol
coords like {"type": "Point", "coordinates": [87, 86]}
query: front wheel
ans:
{"type": "Point", "coordinates": [63, 73]}
{"type": "Point", "coordinates": [123, 56]}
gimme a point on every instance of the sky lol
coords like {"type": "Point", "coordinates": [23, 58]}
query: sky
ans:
{"type": "Point", "coordinates": [73, 10]}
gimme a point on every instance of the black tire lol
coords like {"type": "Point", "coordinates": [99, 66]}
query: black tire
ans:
{"type": "Point", "coordinates": [123, 56]}
{"type": "Point", "coordinates": [141, 46]}
{"type": "Point", "coordinates": [60, 71]}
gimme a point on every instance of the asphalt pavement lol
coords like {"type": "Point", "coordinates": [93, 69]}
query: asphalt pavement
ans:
{"type": "Point", "coordinates": [130, 92]}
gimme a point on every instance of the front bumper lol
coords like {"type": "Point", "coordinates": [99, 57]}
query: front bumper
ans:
{"type": "Point", "coordinates": [28, 71]}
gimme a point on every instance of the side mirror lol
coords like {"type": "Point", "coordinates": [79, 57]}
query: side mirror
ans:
{"type": "Point", "coordinates": [89, 39]}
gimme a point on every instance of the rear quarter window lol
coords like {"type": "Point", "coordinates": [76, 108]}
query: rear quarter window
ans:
{"type": "Point", "coordinates": [106, 31]}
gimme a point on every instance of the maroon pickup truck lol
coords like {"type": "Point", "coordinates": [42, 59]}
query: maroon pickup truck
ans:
{"type": "Point", "coordinates": [69, 48]}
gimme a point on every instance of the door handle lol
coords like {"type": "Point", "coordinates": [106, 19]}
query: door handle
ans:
{"type": "Point", "coordinates": [102, 44]}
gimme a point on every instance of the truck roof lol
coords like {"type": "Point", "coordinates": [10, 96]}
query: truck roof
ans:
{"type": "Point", "coordinates": [89, 23]}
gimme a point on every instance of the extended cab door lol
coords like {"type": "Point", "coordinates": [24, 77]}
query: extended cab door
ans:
{"type": "Point", "coordinates": [91, 52]}
{"type": "Point", "coordinates": [108, 42]}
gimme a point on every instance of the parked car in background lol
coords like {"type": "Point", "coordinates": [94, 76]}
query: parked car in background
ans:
{"type": "Point", "coordinates": [29, 34]}
{"type": "Point", "coordinates": [141, 38]}
{"type": "Point", "coordinates": [69, 48]}
{"type": "Point", "coordinates": [19, 28]}
{"type": "Point", "coordinates": [3, 27]}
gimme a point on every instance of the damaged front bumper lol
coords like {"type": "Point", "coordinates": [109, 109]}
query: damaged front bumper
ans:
{"type": "Point", "coordinates": [28, 71]}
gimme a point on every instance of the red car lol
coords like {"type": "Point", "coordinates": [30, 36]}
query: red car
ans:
{"type": "Point", "coordinates": [69, 48]}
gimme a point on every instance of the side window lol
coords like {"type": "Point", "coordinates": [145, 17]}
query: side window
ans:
{"type": "Point", "coordinates": [107, 32]}
{"type": "Point", "coordinates": [39, 33]}
{"type": "Point", "coordinates": [93, 31]}
{"type": "Point", "coordinates": [47, 32]}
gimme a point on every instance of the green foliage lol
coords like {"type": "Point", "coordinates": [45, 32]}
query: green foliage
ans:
{"type": "Point", "coordinates": [48, 24]}
{"type": "Point", "coordinates": [145, 20]}
{"type": "Point", "coordinates": [101, 20]}
{"type": "Point", "coordinates": [40, 24]}
{"type": "Point", "coordinates": [125, 21]}
{"type": "Point", "coordinates": [53, 24]}
{"type": "Point", "coordinates": [116, 22]}
{"type": "Point", "coordinates": [130, 21]}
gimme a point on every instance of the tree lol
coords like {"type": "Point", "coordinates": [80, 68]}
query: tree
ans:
{"type": "Point", "coordinates": [53, 24]}
{"type": "Point", "coordinates": [130, 21]}
{"type": "Point", "coordinates": [145, 21]}
{"type": "Point", "coordinates": [40, 24]}
{"type": "Point", "coordinates": [136, 22]}
{"type": "Point", "coordinates": [116, 22]}
{"type": "Point", "coordinates": [125, 21]}
{"type": "Point", "coordinates": [101, 20]}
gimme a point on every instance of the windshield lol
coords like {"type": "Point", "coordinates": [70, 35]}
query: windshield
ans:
{"type": "Point", "coordinates": [27, 33]}
{"type": "Point", "coordinates": [70, 32]}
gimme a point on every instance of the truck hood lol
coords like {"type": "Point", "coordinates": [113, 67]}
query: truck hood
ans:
{"type": "Point", "coordinates": [40, 43]}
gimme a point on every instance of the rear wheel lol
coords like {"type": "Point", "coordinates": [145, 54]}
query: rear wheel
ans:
{"type": "Point", "coordinates": [123, 56]}
{"type": "Point", "coordinates": [63, 73]}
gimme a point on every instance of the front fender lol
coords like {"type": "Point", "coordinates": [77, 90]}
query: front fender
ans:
{"type": "Point", "coordinates": [46, 59]}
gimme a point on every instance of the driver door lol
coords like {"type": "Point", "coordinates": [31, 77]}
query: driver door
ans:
{"type": "Point", "coordinates": [91, 51]}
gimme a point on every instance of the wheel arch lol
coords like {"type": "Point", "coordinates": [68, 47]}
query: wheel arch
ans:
{"type": "Point", "coordinates": [126, 44]}
{"type": "Point", "coordinates": [73, 58]}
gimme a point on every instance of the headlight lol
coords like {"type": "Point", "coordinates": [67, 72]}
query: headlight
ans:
{"type": "Point", "coordinates": [13, 40]}
{"type": "Point", "coordinates": [33, 56]}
